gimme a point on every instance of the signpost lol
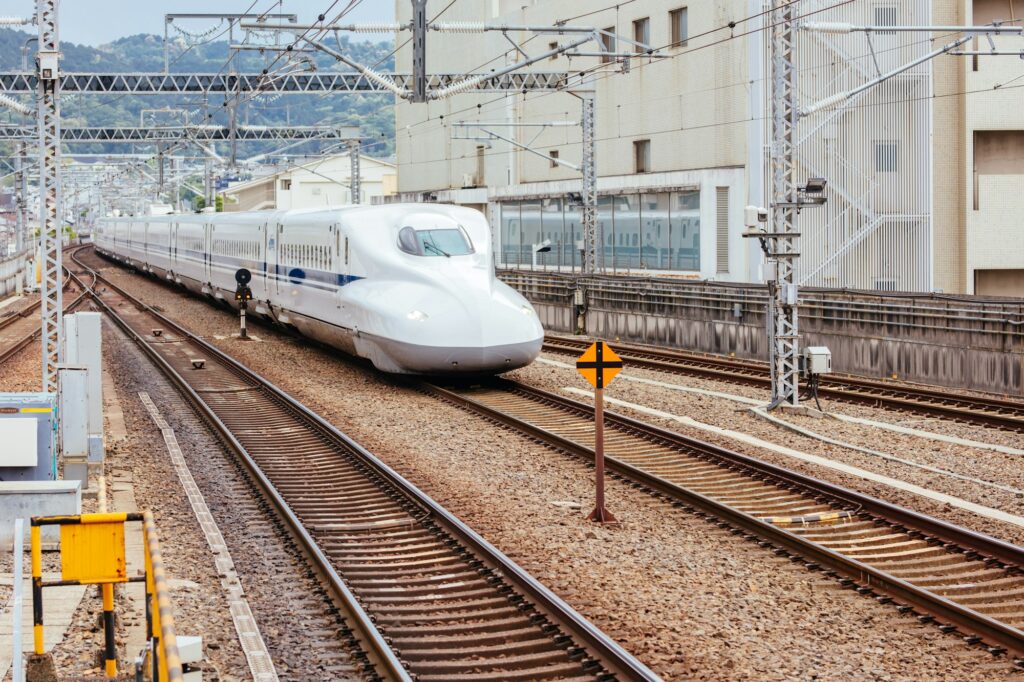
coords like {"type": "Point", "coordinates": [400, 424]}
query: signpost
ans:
{"type": "Point", "coordinates": [599, 365]}
{"type": "Point", "coordinates": [243, 294]}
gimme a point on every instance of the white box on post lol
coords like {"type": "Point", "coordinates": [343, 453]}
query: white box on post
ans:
{"type": "Point", "coordinates": [818, 360]}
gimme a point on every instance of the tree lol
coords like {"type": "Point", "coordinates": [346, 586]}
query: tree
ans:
{"type": "Point", "coordinates": [200, 203]}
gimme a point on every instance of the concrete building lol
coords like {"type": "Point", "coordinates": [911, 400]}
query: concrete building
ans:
{"type": "Point", "coordinates": [320, 183]}
{"type": "Point", "coordinates": [683, 144]}
{"type": "Point", "coordinates": [992, 163]}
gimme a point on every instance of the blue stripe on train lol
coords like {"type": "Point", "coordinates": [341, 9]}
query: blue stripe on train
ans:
{"type": "Point", "coordinates": [317, 279]}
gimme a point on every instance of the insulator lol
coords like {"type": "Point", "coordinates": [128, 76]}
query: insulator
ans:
{"type": "Point", "coordinates": [465, 85]}
{"type": "Point", "coordinates": [459, 27]}
{"type": "Point", "coordinates": [381, 79]}
{"type": "Point", "coordinates": [378, 27]}
{"type": "Point", "coordinates": [14, 21]}
{"type": "Point", "coordinates": [15, 105]}
{"type": "Point", "coordinates": [827, 27]}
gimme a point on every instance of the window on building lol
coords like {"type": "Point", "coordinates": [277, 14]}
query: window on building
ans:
{"type": "Point", "coordinates": [885, 15]}
{"type": "Point", "coordinates": [642, 156]}
{"type": "Point", "coordinates": [886, 156]}
{"type": "Point", "coordinates": [679, 22]}
{"type": "Point", "coordinates": [553, 46]}
{"type": "Point", "coordinates": [648, 231]}
{"type": "Point", "coordinates": [608, 44]}
{"type": "Point", "coordinates": [642, 34]}
{"type": "Point", "coordinates": [286, 184]}
{"type": "Point", "coordinates": [991, 11]}
{"type": "Point", "coordinates": [553, 155]}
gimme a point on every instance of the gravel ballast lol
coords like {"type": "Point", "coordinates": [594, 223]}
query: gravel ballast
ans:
{"type": "Point", "coordinates": [689, 599]}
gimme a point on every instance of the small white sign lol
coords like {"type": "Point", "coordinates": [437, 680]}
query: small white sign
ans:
{"type": "Point", "coordinates": [21, 443]}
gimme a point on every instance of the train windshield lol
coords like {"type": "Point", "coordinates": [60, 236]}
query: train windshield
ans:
{"type": "Point", "coordinates": [443, 242]}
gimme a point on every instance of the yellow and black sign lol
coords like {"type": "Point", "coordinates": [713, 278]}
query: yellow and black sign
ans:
{"type": "Point", "coordinates": [93, 549]}
{"type": "Point", "coordinates": [599, 364]}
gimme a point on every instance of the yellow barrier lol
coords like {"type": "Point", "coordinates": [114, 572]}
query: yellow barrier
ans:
{"type": "Point", "coordinates": [93, 553]}
{"type": "Point", "coordinates": [166, 662]}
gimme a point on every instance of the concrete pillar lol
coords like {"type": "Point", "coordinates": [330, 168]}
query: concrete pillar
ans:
{"type": "Point", "coordinates": [72, 390]}
{"type": "Point", "coordinates": [84, 348]}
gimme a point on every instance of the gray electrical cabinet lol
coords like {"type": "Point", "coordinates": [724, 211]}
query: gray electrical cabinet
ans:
{"type": "Point", "coordinates": [28, 432]}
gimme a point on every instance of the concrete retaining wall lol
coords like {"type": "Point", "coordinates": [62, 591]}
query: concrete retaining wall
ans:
{"type": "Point", "coordinates": [954, 341]}
{"type": "Point", "coordinates": [10, 270]}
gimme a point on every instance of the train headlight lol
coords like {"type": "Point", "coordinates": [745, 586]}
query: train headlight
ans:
{"type": "Point", "coordinates": [526, 310]}
{"type": "Point", "coordinates": [417, 316]}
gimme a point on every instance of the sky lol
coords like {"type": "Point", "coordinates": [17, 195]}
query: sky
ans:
{"type": "Point", "coordinates": [96, 22]}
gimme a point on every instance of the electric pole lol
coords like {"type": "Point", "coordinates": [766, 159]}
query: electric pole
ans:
{"type": "Point", "coordinates": [50, 216]}
{"type": "Point", "coordinates": [355, 181]}
{"type": "Point", "coordinates": [589, 194]}
{"type": "Point", "coordinates": [782, 239]}
{"type": "Point", "coordinates": [20, 197]}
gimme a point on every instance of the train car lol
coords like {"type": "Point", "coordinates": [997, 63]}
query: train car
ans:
{"type": "Point", "coordinates": [410, 287]}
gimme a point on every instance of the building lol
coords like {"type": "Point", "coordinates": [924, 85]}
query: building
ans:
{"type": "Point", "coordinates": [991, 163]}
{"type": "Point", "coordinates": [684, 143]}
{"type": "Point", "coordinates": [320, 183]}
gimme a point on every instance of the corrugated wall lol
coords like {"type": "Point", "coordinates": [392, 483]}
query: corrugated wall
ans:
{"type": "Point", "coordinates": [875, 231]}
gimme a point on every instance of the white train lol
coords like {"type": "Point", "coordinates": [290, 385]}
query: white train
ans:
{"type": "Point", "coordinates": [411, 287]}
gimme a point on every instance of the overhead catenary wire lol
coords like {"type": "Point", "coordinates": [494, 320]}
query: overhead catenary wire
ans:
{"type": "Point", "coordinates": [608, 73]}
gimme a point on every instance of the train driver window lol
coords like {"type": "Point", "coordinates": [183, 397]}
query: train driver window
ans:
{"type": "Point", "coordinates": [436, 242]}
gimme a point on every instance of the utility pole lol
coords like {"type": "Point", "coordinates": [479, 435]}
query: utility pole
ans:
{"type": "Point", "coordinates": [20, 197]}
{"type": "Point", "coordinates": [160, 163]}
{"type": "Point", "coordinates": [589, 221]}
{"type": "Point", "coordinates": [50, 216]}
{"type": "Point", "coordinates": [211, 201]}
{"type": "Point", "coordinates": [782, 239]}
{"type": "Point", "coordinates": [355, 181]}
{"type": "Point", "coordinates": [419, 51]}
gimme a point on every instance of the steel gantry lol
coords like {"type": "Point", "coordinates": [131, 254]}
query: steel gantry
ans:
{"type": "Point", "coordinates": [294, 83]}
{"type": "Point", "coordinates": [202, 133]}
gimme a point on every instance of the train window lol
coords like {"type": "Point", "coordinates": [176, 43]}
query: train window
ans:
{"type": "Point", "coordinates": [443, 242]}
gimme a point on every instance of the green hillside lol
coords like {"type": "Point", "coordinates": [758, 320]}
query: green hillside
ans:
{"type": "Point", "coordinates": [374, 114]}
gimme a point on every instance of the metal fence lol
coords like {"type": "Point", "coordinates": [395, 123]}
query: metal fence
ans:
{"type": "Point", "coordinates": [958, 341]}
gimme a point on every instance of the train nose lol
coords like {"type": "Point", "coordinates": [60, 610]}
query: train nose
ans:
{"type": "Point", "coordinates": [491, 331]}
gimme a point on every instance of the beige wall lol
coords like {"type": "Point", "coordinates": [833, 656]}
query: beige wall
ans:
{"type": "Point", "coordinates": [948, 149]}
{"type": "Point", "coordinates": [697, 112]}
{"type": "Point", "coordinates": [323, 184]}
{"type": "Point", "coordinates": [992, 180]}
{"type": "Point", "coordinates": [683, 106]}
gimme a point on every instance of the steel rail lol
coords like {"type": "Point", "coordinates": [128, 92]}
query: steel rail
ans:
{"type": "Point", "coordinates": [605, 649]}
{"type": "Point", "coordinates": [383, 659]}
{"type": "Point", "coordinates": [13, 349]}
{"type": "Point", "coordinates": [997, 553]}
{"type": "Point", "coordinates": [985, 411]}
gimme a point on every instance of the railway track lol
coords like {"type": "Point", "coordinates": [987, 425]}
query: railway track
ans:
{"type": "Point", "coordinates": [22, 328]}
{"type": "Point", "coordinates": [426, 597]}
{"type": "Point", "coordinates": [964, 581]}
{"type": "Point", "coordinates": [1001, 413]}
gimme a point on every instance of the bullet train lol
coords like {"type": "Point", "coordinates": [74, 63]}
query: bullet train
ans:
{"type": "Point", "coordinates": [410, 287]}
